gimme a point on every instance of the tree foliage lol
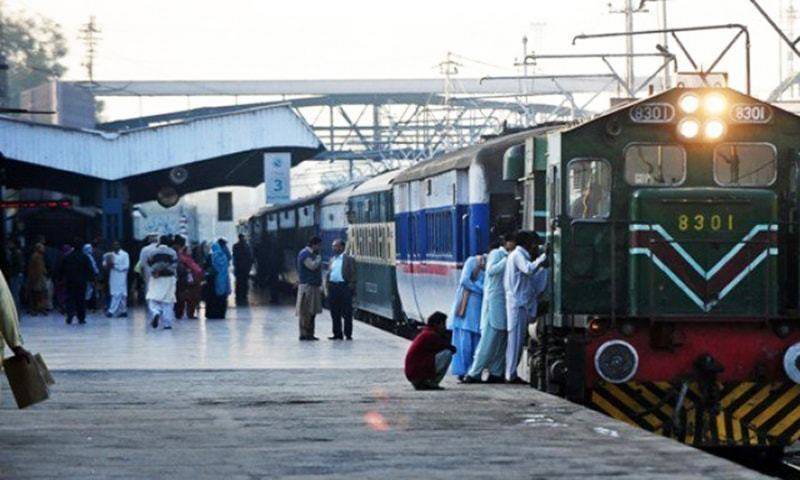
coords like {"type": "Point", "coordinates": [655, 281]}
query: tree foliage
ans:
{"type": "Point", "coordinates": [34, 47]}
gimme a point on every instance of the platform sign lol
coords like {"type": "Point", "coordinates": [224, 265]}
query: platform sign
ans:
{"type": "Point", "coordinates": [277, 177]}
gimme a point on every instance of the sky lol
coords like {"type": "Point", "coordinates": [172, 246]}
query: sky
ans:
{"type": "Point", "coordinates": [248, 39]}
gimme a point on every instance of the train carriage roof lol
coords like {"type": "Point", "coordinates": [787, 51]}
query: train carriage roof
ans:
{"type": "Point", "coordinates": [300, 202]}
{"type": "Point", "coordinates": [461, 159]}
{"type": "Point", "coordinates": [378, 183]}
{"type": "Point", "coordinates": [340, 195]}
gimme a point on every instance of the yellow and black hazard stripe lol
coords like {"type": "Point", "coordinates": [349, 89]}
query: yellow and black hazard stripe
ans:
{"type": "Point", "coordinates": [740, 414]}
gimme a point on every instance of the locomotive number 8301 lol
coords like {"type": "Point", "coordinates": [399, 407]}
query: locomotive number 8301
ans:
{"type": "Point", "coordinates": [701, 222]}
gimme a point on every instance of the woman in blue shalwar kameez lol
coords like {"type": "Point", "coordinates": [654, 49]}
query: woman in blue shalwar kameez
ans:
{"type": "Point", "coordinates": [467, 327]}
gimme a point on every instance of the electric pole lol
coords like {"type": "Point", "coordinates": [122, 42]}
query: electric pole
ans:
{"type": "Point", "coordinates": [90, 35]}
{"type": "Point", "coordinates": [628, 11]}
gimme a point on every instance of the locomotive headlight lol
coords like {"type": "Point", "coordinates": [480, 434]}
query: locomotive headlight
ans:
{"type": "Point", "coordinates": [689, 128]}
{"type": "Point", "coordinates": [791, 363]}
{"type": "Point", "coordinates": [616, 361]}
{"type": "Point", "coordinates": [714, 103]}
{"type": "Point", "coordinates": [713, 129]}
{"type": "Point", "coordinates": [689, 103]}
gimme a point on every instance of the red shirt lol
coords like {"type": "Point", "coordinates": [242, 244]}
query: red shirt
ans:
{"type": "Point", "coordinates": [421, 355]}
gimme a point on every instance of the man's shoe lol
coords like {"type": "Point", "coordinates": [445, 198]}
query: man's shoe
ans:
{"type": "Point", "coordinates": [108, 315]}
{"type": "Point", "coordinates": [69, 320]}
{"type": "Point", "coordinates": [349, 338]}
{"type": "Point", "coordinates": [154, 323]}
{"type": "Point", "coordinates": [468, 379]}
{"type": "Point", "coordinates": [460, 378]}
{"type": "Point", "coordinates": [82, 321]}
{"type": "Point", "coordinates": [517, 381]}
{"type": "Point", "coordinates": [495, 379]}
{"type": "Point", "coordinates": [123, 315]}
{"type": "Point", "coordinates": [167, 328]}
{"type": "Point", "coordinates": [335, 337]}
{"type": "Point", "coordinates": [313, 338]}
{"type": "Point", "coordinates": [304, 338]}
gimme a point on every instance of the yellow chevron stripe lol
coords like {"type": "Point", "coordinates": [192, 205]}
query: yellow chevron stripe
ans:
{"type": "Point", "coordinates": [722, 433]}
{"type": "Point", "coordinates": [754, 401]}
{"type": "Point", "coordinates": [690, 419]}
{"type": "Point", "coordinates": [648, 395]}
{"type": "Point", "coordinates": [781, 402]}
{"type": "Point", "coordinates": [734, 394]}
{"type": "Point", "coordinates": [737, 431]}
{"type": "Point", "coordinates": [632, 404]}
{"type": "Point", "coordinates": [613, 411]}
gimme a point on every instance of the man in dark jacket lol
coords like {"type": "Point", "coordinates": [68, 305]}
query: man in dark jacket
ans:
{"type": "Point", "coordinates": [340, 283]}
{"type": "Point", "coordinates": [242, 263]}
{"type": "Point", "coordinates": [76, 272]}
{"type": "Point", "coordinates": [429, 355]}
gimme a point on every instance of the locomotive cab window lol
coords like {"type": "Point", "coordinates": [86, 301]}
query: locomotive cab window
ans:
{"type": "Point", "coordinates": [589, 189]}
{"type": "Point", "coordinates": [657, 165]}
{"type": "Point", "coordinates": [745, 164]}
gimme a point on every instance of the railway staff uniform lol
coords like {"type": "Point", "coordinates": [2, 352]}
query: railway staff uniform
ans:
{"type": "Point", "coordinates": [341, 284]}
{"type": "Point", "coordinates": [429, 355]}
{"type": "Point", "coordinates": [118, 281]}
{"type": "Point", "coordinates": [77, 272]}
{"type": "Point", "coordinates": [524, 280]}
{"type": "Point", "coordinates": [491, 351]}
{"type": "Point", "coordinates": [163, 263]}
{"type": "Point", "coordinates": [309, 293]}
{"type": "Point", "coordinates": [242, 263]}
{"type": "Point", "coordinates": [466, 316]}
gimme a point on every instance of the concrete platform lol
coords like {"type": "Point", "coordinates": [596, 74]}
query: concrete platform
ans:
{"type": "Point", "coordinates": [325, 409]}
{"type": "Point", "coordinates": [250, 337]}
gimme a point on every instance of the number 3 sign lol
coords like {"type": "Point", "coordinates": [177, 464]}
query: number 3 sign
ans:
{"type": "Point", "coordinates": [277, 177]}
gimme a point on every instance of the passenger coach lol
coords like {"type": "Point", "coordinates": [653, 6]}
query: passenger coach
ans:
{"type": "Point", "coordinates": [446, 210]}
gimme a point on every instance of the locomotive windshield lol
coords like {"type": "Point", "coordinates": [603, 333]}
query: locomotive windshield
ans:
{"type": "Point", "coordinates": [659, 165]}
{"type": "Point", "coordinates": [589, 184]}
{"type": "Point", "coordinates": [745, 164]}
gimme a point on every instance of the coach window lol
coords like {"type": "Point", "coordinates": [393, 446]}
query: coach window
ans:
{"type": "Point", "coordinates": [589, 188]}
{"type": "Point", "coordinates": [656, 165]}
{"type": "Point", "coordinates": [745, 164]}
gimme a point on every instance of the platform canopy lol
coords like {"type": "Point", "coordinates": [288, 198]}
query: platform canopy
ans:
{"type": "Point", "coordinates": [117, 155]}
{"type": "Point", "coordinates": [215, 150]}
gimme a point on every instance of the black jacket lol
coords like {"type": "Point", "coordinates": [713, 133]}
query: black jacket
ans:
{"type": "Point", "coordinates": [242, 259]}
{"type": "Point", "coordinates": [76, 268]}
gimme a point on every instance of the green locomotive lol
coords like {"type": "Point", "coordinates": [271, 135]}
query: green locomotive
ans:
{"type": "Point", "coordinates": [672, 229]}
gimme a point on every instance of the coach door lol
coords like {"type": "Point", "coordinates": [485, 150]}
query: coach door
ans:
{"type": "Point", "coordinates": [586, 236]}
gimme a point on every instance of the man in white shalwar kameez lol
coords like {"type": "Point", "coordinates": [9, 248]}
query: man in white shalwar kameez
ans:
{"type": "Point", "coordinates": [491, 351]}
{"type": "Point", "coordinates": [144, 258]}
{"type": "Point", "coordinates": [524, 280]}
{"type": "Point", "coordinates": [161, 298]}
{"type": "Point", "coordinates": [119, 263]}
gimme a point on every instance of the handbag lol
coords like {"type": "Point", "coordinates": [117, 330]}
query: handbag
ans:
{"type": "Point", "coordinates": [28, 379]}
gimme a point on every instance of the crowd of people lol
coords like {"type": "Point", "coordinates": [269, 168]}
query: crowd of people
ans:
{"type": "Point", "coordinates": [496, 299]}
{"type": "Point", "coordinates": [168, 276]}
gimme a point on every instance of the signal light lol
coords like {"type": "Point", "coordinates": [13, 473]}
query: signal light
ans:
{"type": "Point", "coordinates": [689, 103]}
{"type": "Point", "coordinates": [713, 129]}
{"type": "Point", "coordinates": [596, 326]}
{"type": "Point", "coordinates": [714, 104]}
{"type": "Point", "coordinates": [689, 128]}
